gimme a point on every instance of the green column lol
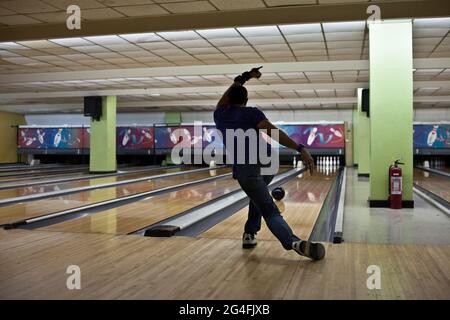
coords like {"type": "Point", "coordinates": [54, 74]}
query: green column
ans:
{"type": "Point", "coordinates": [355, 136]}
{"type": "Point", "coordinates": [391, 106]}
{"type": "Point", "coordinates": [171, 118]}
{"type": "Point", "coordinates": [103, 138]}
{"type": "Point", "coordinates": [363, 138]}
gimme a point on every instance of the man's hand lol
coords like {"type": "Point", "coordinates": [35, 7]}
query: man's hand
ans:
{"type": "Point", "coordinates": [306, 157]}
{"type": "Point", "coordinates": [255, 73]}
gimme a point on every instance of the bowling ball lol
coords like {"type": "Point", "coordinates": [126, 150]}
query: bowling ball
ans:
{"type": "Point", "coordinates": [278, 193]}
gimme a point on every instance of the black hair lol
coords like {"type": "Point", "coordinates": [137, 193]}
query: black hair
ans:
{"type": "Point", "coordinates": [238, 95]}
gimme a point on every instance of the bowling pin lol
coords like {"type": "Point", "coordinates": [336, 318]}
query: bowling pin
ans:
{"type": "Point", "coordinates": [40, 136]}
{"type": "Point", "coordinates": [126, 137]}
{"type": "Point", "coordinates": [57, 139]}
{"type": "Point", "coordinates": [172, 136]}
{"type": "Point", "coordinates": [432, 136]}
{"type": "Point", "coordinates": [294, 163]}
{"type": "Point", "coordinates": [212, 164]}
{"type": "Point", "coordinates": [426, 164]}
{"type": "Point", "coordinates": [207, 134]}
{"type": "Point", "coordinates": [30, 141]}
{"type": "Point", "coordinates": [337, 133]}
{"type": "Point", "coordinates": [312, 136]}
{"type": "Point", "coordinates": [147, 134]}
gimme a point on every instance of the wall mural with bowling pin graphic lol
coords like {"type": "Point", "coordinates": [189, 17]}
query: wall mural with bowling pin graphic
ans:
{"type": "Point", "coordinates": [50, 138]}
{"type": "Point", "coordinates": [432, 136]}
{"type": "Point", "coordinates": [316, 135]}
{"type": "Point", "coordinates": [436, 136]}
{"type": "Point", "coordinates": [134, 138]}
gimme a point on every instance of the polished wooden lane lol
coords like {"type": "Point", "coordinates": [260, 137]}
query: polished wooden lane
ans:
{"type": "Point", "coordinates": [33, 265]}
{"type": "Point", "coordinates": [436, 184]}
{"type": "Point", "coordinates": [300, 208]}
{"type": "Point", "coordinates": [140, 214]}
{"type": "Point", "coordinates": [24, 191]}
{"type": "Point", "coordinates": [30, 209]}
{"type": "Point", "coordinates": [34, 178]}
{"type": "Point", "coordinates": [40, 173]}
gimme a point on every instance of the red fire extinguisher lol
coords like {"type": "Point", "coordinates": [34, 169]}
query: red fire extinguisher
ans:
{"type": "Point", "coordinates": [395, 185]}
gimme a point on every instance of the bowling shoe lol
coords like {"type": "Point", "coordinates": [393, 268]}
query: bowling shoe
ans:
{"type": "Point", "coordinates": [248, 241]}
{"type": "Point", "coordinates": [312, 250]}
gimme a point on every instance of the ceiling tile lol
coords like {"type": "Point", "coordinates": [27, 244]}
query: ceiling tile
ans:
{"type": "Point", "coordinates": [218, 33]}
{"type": "Point", "coordinates": [104, 40]}
{"type": "Point", "coordinates": [193, 6]}
{"type": "Point", "coordinates": [38, 44]}
{"type": "Point", "coordinates": [275, 3]}
{"type": "Point", "coordinates": [141, 37]}
{"type": "Point", "coordinates": [144, 10]}
{"type": "Point", "coordinates": [71, 42]}
{"type": "Point", "coordinates": [28, 6]}
{"type": "Point", "coordinates": [179, 35]}
{"type": "Point", "coordinates": [259, 31]}
{"type": "Point", "coordinates": [17, 20]}
{"type": "Point", "coordinates": [50, 17]}
{"type": "Point", "coordinates": [436, 23]}
{"type": "Point", "coordinates": [342, 36]}
{"type": "Point", "coordinates": [199, 43]}
{"type": "Point", "coordinates": [229, 42]}
{"type": "Point", "coordinates": [202, 51]}
{"type": "Point", "coordinates": [101, 14]}
{"type": "Point", "coordinates": [353, 26]}
{"type": "Point", "coordinates": [237, 4]}
{"type": "Point", "coordinates": [266, 40]}
{"type": "Point", "coordinates": [314, 37]}
{"type": "Point", "coordinates": [83, 4]}
{"type": "Point", "coordinates": [300, 28]}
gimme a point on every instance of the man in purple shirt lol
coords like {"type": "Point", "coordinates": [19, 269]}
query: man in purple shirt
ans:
{"type": "Point", "coordinates": [232, 113]}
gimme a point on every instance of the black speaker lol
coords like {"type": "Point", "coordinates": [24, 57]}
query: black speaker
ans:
{"type": "Point", "coordinates": [93, 107]}
{"type": "Point", "coordinates": [365, 105]}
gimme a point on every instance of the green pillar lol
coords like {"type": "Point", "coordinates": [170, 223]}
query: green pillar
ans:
{"type": "Point", "coordinates": [391, 106]}
{"type": "Point", "coordinates": [171, 118]}
{"type": "Point", "coordinates": [363, 138]}
{"type": "Point", "coordinates": [103, 139]}
{"type": "Point", "coordinates": [355, 136]}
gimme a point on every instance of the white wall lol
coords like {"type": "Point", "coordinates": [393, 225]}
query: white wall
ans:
{"type": "Point", "coordinates": [442, 114]}
{"type": "Point", "coordinates": [77, 119]}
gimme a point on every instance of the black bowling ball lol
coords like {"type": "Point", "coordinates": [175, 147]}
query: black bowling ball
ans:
{"type": "Point", "coordinates": [278, 193]}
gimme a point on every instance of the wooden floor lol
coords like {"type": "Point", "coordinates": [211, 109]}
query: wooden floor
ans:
{"type": "Point", "coordinates": [33, 266]}
{"type": "Point", "coordinates": [24, 191]}
{"type": "Point", "coordinates": [435, 183]}
{"type": "Point", "coordinates": [26, 210]}
{"type": "Point", "coordinates": [300, 208]}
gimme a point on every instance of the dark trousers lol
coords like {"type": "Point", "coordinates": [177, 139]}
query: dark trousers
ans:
{"type": "Point", "coordinates": [262, 205]}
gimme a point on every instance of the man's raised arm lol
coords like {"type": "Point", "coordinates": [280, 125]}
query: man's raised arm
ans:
{"type": "Point", "coordinates": [239, 81]}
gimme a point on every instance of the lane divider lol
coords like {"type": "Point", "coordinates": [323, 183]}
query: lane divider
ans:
{"type": "Point", "coordinates": [338, 228]}
{"type": "Point", "coordinates": [423, 193]}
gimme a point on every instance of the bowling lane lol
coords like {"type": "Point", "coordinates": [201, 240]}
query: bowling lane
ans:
{"type": "Point", "coordinates": [140, 214]}
{"type": "Point", "coordinates": [46, 177]}
{"type": "Point", "coordinates": [40, 173]}
{"type": "Point", "coordinates": [31, 209]}
{"type": "Point", "coordinates": [300, 207]}
{"type": "Point", "coordinates": [29, 190]}
{"type": "Point", "coordinates": [436, 184]}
